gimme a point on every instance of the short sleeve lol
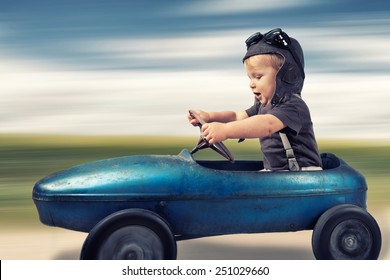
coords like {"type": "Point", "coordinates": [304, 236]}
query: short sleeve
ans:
{"type": "Point", "coordinates": [292, 114]}
{"type": "Point", "coordinates": [254, 110]}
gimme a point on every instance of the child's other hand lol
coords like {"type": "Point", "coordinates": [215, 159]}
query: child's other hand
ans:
{"type": "Point", "coordinates": [214, 132]}
{"type": "Point", "coordinates": [204, 115]}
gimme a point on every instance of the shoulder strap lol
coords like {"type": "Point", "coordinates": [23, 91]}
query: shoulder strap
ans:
{"type": "Point", "coordinates": [292, 161]}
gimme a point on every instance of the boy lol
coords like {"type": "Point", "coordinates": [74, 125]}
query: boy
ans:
{"type": "Point", "coordinates": [274, 64]}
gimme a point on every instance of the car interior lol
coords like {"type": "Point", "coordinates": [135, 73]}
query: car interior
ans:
{"type": "Point", "coordinates": [329, 161]}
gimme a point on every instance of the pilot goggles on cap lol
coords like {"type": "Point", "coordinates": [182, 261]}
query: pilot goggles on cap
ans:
{"type": "Point", "coordinates": [277, 38]}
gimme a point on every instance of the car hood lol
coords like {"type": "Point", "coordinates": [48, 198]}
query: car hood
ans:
{"type": "Point", "coordinates": [138, 177]}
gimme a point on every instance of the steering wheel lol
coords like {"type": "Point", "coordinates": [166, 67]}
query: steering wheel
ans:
{"type": "Point", "coordinates": [220, 148]}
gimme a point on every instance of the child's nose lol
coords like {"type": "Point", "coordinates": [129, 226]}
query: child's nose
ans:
{"type": "Point", "coordinates": [251, 84]}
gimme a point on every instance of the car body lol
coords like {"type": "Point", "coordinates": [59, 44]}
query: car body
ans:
{"type": "Point", "coordinates": [190, 198]}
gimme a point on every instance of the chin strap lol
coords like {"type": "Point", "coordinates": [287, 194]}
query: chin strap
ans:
{"type": "Point", "coordinates": [292, 161]}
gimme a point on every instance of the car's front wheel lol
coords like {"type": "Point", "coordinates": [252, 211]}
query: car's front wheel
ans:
{"type": "Point", "coordinates": [346, 232]}
{"type": "Point", "coordinates": [134, 234]}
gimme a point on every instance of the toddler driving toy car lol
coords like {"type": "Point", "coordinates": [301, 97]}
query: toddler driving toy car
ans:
{"type": "Point", "coordinates": [138, 207]}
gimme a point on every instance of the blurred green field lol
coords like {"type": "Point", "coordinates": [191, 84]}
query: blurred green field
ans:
{"type": "Point", "coordinates": [24, 159]}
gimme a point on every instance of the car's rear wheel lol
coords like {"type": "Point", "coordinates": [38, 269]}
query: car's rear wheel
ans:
{"type": "Point", "coordinates": [346, 232]}
{"type": "Point", "coordinates": [134, 234]}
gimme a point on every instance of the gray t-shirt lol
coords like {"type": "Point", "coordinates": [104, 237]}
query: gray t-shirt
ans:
{"type": "Point", "coordinates": [295, 115]}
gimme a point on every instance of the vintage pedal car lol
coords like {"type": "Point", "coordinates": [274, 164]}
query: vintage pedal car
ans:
{"type": "Point", "coordinates": [138, 207]}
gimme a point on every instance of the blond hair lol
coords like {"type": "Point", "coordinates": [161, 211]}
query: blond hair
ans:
{"type": "Point", "coordinates": [275, 60]}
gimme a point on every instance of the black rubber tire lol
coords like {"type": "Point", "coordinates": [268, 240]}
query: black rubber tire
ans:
{"type": "Point", "coordinates": [130, 234]}
{"type": "Point", "coordinates": [346, 232]}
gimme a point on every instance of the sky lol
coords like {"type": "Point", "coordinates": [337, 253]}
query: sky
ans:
{"type": "Point", "coordinates": [136, 67]}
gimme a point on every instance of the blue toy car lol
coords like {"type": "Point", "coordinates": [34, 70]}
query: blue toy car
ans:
{"type": "Point", "coordinates": [138, 207]}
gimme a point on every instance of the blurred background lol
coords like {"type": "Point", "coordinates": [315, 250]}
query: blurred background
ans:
{"type": "Point", "coordinates": [90, 79]}
{"type": "Point", "coordinates": [135, 67]}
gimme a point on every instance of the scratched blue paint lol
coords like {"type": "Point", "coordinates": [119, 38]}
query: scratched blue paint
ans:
{"type": "Point", "coordinates": [197, 198]}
